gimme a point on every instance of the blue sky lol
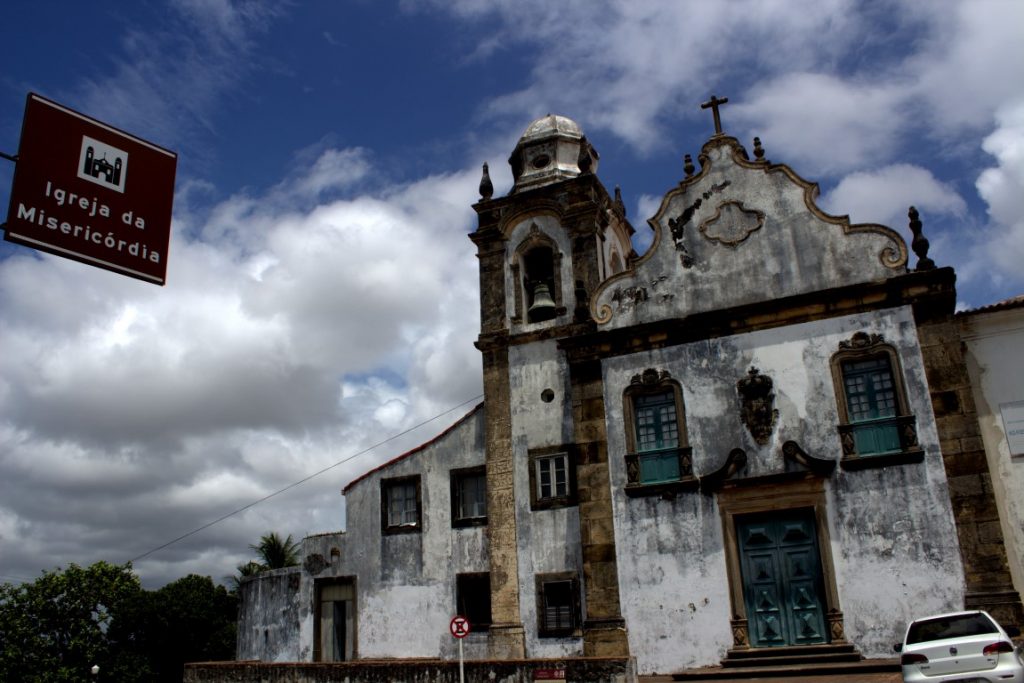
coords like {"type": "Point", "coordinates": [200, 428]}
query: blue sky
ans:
{"type": "Point", "coordinates": [321, 290]}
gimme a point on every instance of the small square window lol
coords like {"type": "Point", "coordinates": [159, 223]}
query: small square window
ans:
{"type": "Point", "coordinates": [473, 599]}
{"type": "Point", "coordinates": [558, 605]}
{"type": "Point", "coordinates": [400, 505]}
{"type": "Point", "coordinates": [552, 478]}
{"type": "Point", "coordinates": [469, 497]}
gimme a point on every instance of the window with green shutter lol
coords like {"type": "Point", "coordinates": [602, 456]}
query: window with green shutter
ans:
{"type": "Point", "coordinates": [658, 456]}
{"type": "Point", "coordinates": [876, 428]}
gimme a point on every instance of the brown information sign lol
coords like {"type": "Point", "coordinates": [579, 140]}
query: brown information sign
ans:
{"type": "Point", "coordinates": [89, 192]}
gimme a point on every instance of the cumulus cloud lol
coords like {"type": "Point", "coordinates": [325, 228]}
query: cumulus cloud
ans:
{"type": "Point", "coordinates": [823, 124]}
{"type": "Point", "coordinates": [1000, 252]}
{"type": "Point", "coordinates": [638, 67]}
{"type": "Point", "coordinates": [260, 361]}
{"type": "Point", "coordinates": [884, 195]}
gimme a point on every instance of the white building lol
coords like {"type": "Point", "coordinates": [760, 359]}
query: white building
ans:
{"type": "Point", "coordinates": [757, 436]}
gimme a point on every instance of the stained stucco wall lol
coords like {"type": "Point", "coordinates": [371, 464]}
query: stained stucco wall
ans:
{"type": "Point", "coordinates": [548, 541]}
{"type": "Point", "coordinates": [268, 616]}
{"type": "Point", "coordinates": [892, 535]}
{"type": "Point", "coordinates": [745, 233]}
{"type": "Point", "coordinates": [405, 583]}
{"type": "Point", "coordinates": [994, 341]}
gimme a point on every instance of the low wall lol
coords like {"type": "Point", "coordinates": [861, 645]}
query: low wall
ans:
{"type": "Point", "coordinates": [579, 669]}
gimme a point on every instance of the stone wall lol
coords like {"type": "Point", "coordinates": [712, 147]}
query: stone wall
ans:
{"type": "Point", "coordinates": [588, 670]}
{"type": "Point", "coordinates": [268, 616]}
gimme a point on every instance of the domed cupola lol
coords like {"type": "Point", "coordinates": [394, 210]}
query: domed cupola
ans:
{"type": "Point", "coordinates": [553, 148]}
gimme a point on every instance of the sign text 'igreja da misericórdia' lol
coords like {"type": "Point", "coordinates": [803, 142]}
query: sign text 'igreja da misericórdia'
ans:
{"type": "Point", "coordinates": [79, 226]}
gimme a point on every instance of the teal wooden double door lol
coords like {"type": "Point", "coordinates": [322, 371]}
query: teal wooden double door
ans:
{"type": "Point", "coordinates": [782, 579]}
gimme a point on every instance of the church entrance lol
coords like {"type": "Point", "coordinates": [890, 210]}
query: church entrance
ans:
{"type": "Point", "coordinates": [781, 569]}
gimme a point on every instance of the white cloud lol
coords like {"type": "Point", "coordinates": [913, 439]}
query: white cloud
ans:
{"type": "Point", "coordinates": [884, 196]}
{"type": "Point", "coordinates": [174, 406]}
{"type": "Point", "coordinates": [972, 63]}
{"type": "Point", "coordinates": [998, 255]}
{"type": "Point", "coordinates": [823, 124]}
{"type": "Point", "coordinates": [639, 66]}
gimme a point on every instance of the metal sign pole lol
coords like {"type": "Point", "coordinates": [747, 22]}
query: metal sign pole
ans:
{"type": "Point", "coordinates": [462, 673]}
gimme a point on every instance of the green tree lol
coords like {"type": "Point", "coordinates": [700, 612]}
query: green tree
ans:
{"type": "Point", "coordinates": [275, 552]}
{"type": "Point", "coordinates": [188, 620]}
{"type": "Point", "coordinates": [55, 628]}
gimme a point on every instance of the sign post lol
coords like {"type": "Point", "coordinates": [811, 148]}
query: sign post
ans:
{"type": "Point", "coordinates": [460, 629]}
{"type": "Point", "coordinates": [87, 191]}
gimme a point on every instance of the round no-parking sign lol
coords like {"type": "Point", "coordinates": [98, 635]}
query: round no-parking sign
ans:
{"type": "Point", "coordinates": [459, 627]}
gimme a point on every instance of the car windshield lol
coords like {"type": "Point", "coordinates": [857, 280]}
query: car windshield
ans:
{"type": "Point", "coordinates": [956, 626]}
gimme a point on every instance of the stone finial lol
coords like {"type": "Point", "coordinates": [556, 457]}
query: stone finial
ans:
{"type": "Point", "coordinates": [920, 242]}
{"type": "Point", "coordinates": [619, 204]}
{"type": "Point", "coordinates": [758, 149]}
{"type": "Point", "coordinates": [688, 166]}
{"type": "Point", "coordinates": [486, 186]}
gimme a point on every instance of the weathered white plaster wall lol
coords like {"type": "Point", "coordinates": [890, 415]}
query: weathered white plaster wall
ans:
{"type": "Point", "coordinates": [795, 250]}
{"type": "Point", "coordinates": [995, 340]}
{"type": "Point", "coordinates": [548, 540]}
{"type": "Point", "coordinates": [892, 534]}
{"type": "Point", "coordinates": [405, 583]}
{"type": "Point", "coordinates": [268, 616]}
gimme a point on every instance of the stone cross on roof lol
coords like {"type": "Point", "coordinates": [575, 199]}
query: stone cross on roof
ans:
{"type": "Point", "coordinates": [713, 105]}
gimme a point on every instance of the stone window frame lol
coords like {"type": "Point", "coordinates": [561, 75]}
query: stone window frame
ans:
{"type": "Point", "coordinates": [863, 346]}
{"type": "Point", "coordinates": [650, 382]}
{"type": "Point", "coordinates": [457, 476]}
{"type": "Point", "coordinates": [553, 502]}
{"type": "Point", "coordinates": [534, 239]}
{"type": "Point", "coordinates": [740, 501]}
{"type": "Point", "coordinates": [385, 486]}
{"type": "Point", "coordinates": [318, 586]}
{"type": "Point", "coordinates": [575, 629]}
{"type": "Point", "coordinates": [460, 602]}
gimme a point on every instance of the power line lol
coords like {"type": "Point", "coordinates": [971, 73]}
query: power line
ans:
{"type": "Point", "coordinates": [303, 481]}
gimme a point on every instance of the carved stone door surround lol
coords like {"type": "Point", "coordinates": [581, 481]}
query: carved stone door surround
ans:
{"type": "Point", "coordinates": [774, 497]}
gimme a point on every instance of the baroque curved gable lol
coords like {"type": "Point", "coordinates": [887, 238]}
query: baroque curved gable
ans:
{"type": "Point", "coordinates": [742, 232]}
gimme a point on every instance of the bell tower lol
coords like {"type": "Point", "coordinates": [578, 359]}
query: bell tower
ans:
{"type": "Point", "coordinates": [543, 249]}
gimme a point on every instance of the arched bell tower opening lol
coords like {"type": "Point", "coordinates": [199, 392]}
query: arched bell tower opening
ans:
{"type": "Point", "coordinates": [536, 278]}
{"type": "Point", "coordinates": [539, 282]}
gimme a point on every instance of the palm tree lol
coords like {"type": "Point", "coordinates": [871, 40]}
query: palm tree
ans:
{"type": "Point", "coordinates": [275, 552]}
{"type": "Point", "coordinates": [250, 568]}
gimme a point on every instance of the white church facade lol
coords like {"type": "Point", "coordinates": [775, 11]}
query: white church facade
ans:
{"type": "Point", "coordinates": [758, 437]}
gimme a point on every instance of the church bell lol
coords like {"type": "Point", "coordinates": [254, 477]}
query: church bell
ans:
{"type": "Point", "coordinates": [543, 306]}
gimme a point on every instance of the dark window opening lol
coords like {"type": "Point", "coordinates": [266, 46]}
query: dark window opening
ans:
{"type": "Point", "coordinates": [400, 505]}
{"type": "Point", "coordinates": [469, 497]}
{"type": "Point", "coordinates": [473, 599]}
{"type": "Point", "coordinates": [558, 605]}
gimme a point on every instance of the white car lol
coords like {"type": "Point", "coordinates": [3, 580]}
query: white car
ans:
{"type": "Point", "coordinates": [961, 647]}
